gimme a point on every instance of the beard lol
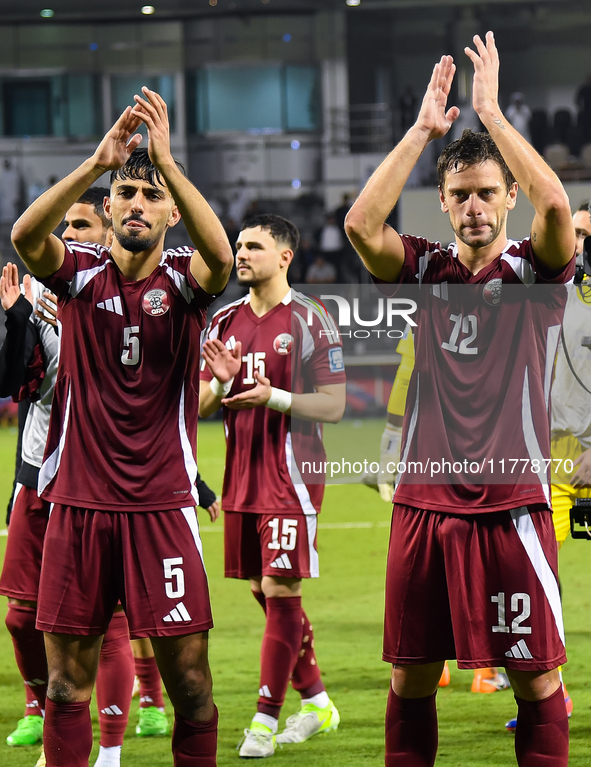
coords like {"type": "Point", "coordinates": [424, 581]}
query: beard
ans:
{"type": "Point", "coordinates": [135, 242]}
{"type": "Point", "coordinates": [483, 240]}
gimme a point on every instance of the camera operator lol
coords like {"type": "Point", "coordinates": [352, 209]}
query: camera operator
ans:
{"type": "Point", "coordinates": [571, 390]}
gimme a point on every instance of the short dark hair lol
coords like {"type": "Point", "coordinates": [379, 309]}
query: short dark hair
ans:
{"type": "Point", "coordinates": [140, 168]}
{"type": "Point", "coordinates": [586, 206]}
{"type": "Point", "coordinates": [95, 196]}
{"type": "Point", "coordinates": [280, 229]}
{"type": "Point", "coordinates": [471, 149]}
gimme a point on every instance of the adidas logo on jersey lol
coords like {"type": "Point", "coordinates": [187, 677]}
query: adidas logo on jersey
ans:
{"type": "Point", "coordinates": [111, 305]}
{"type": "Point", "coordinates": [112, 710]}
{"type": "Point", "coordinates": [178, 614]}
{"type": "Point", "coordinates": [265, 692]}
{"type": "Point", "coordinates": [282, 563]}
{"type": "Point", "coordinates": [519, 650]}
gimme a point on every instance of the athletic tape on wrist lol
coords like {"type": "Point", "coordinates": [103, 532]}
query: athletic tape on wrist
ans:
{"type": "Point", "coordinates": [279, 400]}
{"type": "Point", "coordinates": [220, 389]}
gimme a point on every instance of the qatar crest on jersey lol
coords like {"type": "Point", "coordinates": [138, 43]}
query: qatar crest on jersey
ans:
{"type": "Point", "coordinates": [155, 302]}
{"type": "Point", "coordinates": [491, 292]}
{"type": "Point", "coordinates": [283, 343]}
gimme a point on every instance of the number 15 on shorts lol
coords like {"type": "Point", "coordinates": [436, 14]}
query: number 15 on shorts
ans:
{"type": "Point", "coordinates": [289, 533]}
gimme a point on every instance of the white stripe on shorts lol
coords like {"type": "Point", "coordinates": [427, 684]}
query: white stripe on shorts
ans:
{"type": "Point", "coordinates": [190, 515]}
{"type": "Point", "coordinates": [531, 543]}
{"type": "Point", "coordinates": [312, 525]}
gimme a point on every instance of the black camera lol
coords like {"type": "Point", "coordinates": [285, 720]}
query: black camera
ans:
{"type": "Point", "coordinates": [580, 519]}
{"type": "Point", "coordinates": [583, 268]}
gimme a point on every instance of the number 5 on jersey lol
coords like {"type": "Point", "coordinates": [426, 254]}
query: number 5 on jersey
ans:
{"type": "Point", "coordinates": [131, 345]}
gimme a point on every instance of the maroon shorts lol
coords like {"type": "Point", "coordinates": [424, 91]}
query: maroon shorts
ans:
{"type": "Point", "coordinates": [482, 589]}
{"type": "Point", "coordinates": [270, 544]}
{"type": "Point", "coordinates": [24, 547]}
{"type": "Point", "coordinates": [151, 561]}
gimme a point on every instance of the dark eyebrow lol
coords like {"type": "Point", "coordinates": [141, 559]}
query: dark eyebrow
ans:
{"type": "Point", "coordinates": [78, 222]}
{"type": "Point", "coordinates": [133, 188]}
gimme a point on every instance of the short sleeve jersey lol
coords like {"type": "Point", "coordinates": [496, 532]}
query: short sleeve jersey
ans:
{"type": "Point", "coordinates": [123, 428]}
{"type": "Point", "coordinates": [266, 450]}
{"type": "Point", "coordinates": [479, 394]}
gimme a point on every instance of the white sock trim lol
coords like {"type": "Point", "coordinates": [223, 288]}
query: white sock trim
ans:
{"type": "Point", "coordinates": [268, 721]}
{"type": "Point", "coordinates": [321, 700]}
{"type": "Point", "coordinates": [108, 756]}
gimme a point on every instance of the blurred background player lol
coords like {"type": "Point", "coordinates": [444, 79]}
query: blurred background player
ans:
{"type": "Point", "coordinates": [571, 400]}
{"type": "Point", "coordinates": [276, 380]}
{"type": "Point", "coordinates": [431, 582]}
{"type": "Point", "coordinates": [33, 365]}
{"type": "Point", "coordinates": [148, 193]}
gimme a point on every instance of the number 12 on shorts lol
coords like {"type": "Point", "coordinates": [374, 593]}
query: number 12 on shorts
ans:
{"type": "Point", "coordinates": [520, 598]}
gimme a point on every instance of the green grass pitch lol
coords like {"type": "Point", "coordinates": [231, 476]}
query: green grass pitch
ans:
{"type": "Point", "coordinates": [345, 606]}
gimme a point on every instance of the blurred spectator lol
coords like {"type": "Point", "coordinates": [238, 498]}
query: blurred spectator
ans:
{"type": "Point", "coordinates": [583, 100]}
{"type": "Point", "coordinates": [331, 243]}
{"type": "Point", "coordinates": [232, 232]}
{"type": "Point", "coordinates": [239, 202]}
{"type": "Point", "coordinates": [408, 108]}
{"type": "Point", "coordinates": [217, 206]}
{"type": "Point", "coordinates": [341, 212]}
{"type": "Point", "coordinates": [321, 271]}
{"type": "Point", "coordinates": [9, 193]}
{"type": "Point", "coordinates": [519, 114]}
{"type": "Point", "coordinates": [302, 260]}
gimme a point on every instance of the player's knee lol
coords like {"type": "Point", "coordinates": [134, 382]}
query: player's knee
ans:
{"type": "Point", "coordinates": [193, 692]}
{"type": "Point", "coordinates": [62, 689]}
{"type": "Point", "coordinates": [20, 622]}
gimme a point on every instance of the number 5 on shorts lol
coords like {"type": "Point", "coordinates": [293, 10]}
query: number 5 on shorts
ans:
{"type": "Point", "coordinates": [171, 573]}
{"type": "Point", "coordinates": [289, 534]}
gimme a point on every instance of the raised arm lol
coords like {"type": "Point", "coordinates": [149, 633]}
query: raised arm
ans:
{"type": "Point", "coordinates": [32, 237]}
{"type": "Point", "coordinates": [20, 335]}
{"type": "Point", "coordinates": [211, 263]}
{"type": "Point", "coordinates": [552, 233]}
{"type": "Point", "coordinates": [377, 243]}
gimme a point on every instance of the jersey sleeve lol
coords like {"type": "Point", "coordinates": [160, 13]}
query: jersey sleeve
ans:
{"type": "Point", "coordinates": [59, 282]}
{"type": "Point", "coordinates": [417, 252]}
{"type": "Point", "coordinates": [326, 364]}
{"type": "Point", "coordinates": [178, 267]}
{"type": "Point", "coordinates": [543, 275]}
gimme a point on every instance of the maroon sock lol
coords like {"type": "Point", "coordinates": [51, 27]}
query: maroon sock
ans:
{"type": "Point", "coordinates": [306, 674]}
{"type": "Point", "coordinates": [261, 599]}
{"type": "Point", "coordinates": [194, 744]}
{"type": "Point", "coordinates": [146, 670]}
{"type": "Point", "coordinates": [29, 652]}
{"type": "Point", "coordinates": [67, 734]}
{"type": "Point", "coordinates": [411, 731]}
{"type": "Point", "coordinates": [541, 737]}
{"type": "Point", "coordinates": [114, 682]}
{"type": "Point", "coordinates": [279, 653]}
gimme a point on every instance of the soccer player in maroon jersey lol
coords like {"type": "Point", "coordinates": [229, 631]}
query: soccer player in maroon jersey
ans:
{"type": "Point", "coordinates": [472, 571]}
{"type": "Point", "coordinates": [120, 464]}
{"type": "Point", "coordinates": [274, 363]}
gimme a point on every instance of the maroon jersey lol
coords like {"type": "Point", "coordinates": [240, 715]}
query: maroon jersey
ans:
{"type": "Point", "coordinates": [266, 449]}
{"type": "Point", "coordinates": [476, 431]}
{"type": "Point", "coordinates": [123, 428]}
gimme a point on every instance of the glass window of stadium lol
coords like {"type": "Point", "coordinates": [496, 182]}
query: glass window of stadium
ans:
{"type": "Point", "coordinates": [254, 98]}
{"type": "Point", "coordinates": [124, 88]}
{"type": "Point", "coordinates": [60, 105]}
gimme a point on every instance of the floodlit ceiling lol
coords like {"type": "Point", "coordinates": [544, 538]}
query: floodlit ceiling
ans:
{"type": "Point", "coordinates": [96, 11]}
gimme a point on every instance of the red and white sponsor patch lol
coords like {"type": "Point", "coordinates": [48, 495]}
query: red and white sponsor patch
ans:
{"type": "Point", "coordinates": [283, 343]}
{"type": "Point", "coordinates": [155, 302]}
